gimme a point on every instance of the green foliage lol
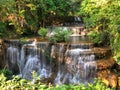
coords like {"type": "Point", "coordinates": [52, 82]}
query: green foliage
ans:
{"type": "Point", "coordinates": [99, 38]}
{"type": "Point", "coordinates": [21, 84]}
{"type": "Point", "coordinates": [43, 32]}
{"type": "Point", "coordinates": [96, 85]}
{"type": "Point", "coordinates": [23, 40]}
{"type": "Point", "coordinates": [117, 54]}
{"type": "Point", "coordinates": [8, 74]}
{"type": "Point", "coordinates": [26, 16]}
{"type": "Point", "coordinates": [2, 29]}
{"type": "Point", "coordinates": [60, 35]}
{"type": "Point", "coordinates": [105, 16]}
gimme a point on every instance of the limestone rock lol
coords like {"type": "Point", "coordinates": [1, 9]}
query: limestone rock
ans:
{"type": "Point", "coordinates": [109, 78]}
{"type": "Point", "coordinates": [105, 63]}
{"type": "Point", "coordinates": [2, 62]}
{"type": "Point", "coordinates": [119, 81]}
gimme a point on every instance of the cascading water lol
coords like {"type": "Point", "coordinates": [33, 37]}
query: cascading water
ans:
{"type": "Point", "coordinates": [73, 66]}
{"type": "Point", "coordinates": [52, 55]}
{"type": "Point", "coordinates": [44, 54]}
{"type": "Point", "coordinates": [80, 64]}
{"type": "Point", "coordinates": [12, 56]}
{"type": "Point", "coordinates": [31, 65]}
{"type": "Point", "coordinates": [34, 60]}
{"type": "Point", "coordinates": [60, 58]}
{"type": "Point", "coordinates": [73, 62]}
{"type": "Point", "coordinates": [77, 69]}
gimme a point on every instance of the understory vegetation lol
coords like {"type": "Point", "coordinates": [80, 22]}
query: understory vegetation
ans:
{"type": "Point", "coordinates": [100, 38]}
{"type": "Point", "coordinates": [43, 32]}
{"type": "Point", "coordinates": [16, 83]}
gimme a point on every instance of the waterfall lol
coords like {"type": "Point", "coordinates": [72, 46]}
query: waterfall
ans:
{"type": "Point", "coordinates": [31, 65]}
{"type": "Point", "coordinates": [80, 66]}
{"type": "Point", "coordinates": [52, 55]}
{"type": "Point", "coordinates": [13, 57]}
{"type": "Point", "coordinates": [76, 61]}
{"type": "Point", "coordinates": [74, 65]}
{"type": "Point", "coordinates": [60, 66]}
{"type": "Point", "coordinates": [73, 62]}
{"type": "Point", "coordinates": [22, 59]}
{"type": "Point", "coordinates": [33, 58]}
{"type": "Point", "coordinates": [23, 56]}
{"type": "Point", "coordinates": [46, 68]}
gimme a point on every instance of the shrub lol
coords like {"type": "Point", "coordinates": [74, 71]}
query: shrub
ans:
{"type": "Point", "coordinates": [43, 32]}
{"type": "Point", "coordinates": [7, 73]}
{"type": "Point", "coordinates": [2, 29]}
{"type": "Point", "coordinates": [21, 84]}
{"type": "Point", "coordinates": [23, 40]}
{"type": "Point", "coordinates": [60, 35]}
{"type": "Point", "coordinates": [99, 38]}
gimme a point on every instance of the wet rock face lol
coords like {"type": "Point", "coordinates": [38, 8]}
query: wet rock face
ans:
{"type": "Point", "coordinates": [12, 58]}
{"type": "Point", "coordinates": [1, 45]}
{"type": "Point", "coordinates": [105, 63]}
{"type": "Point", "coordinates": [2, 62]}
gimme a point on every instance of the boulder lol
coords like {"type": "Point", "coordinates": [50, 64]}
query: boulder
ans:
{"type": "Point", "coordinates": [108, 77]}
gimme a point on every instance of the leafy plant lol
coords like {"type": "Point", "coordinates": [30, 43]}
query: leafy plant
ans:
{"type": "Point", "coordinates": [7, 73]}
{"type": "Point", "coordinates": [2, 29]}
{"type": "Point", "coordinates": [117, 57]}
{"type": "Point", "coordinates": [21, 84]}
{"type": "Point", "coordinates": [99, 38]}
{"type": "Point", "coordinates": [23, 40]}
{"type": "Point", "coordinates": [43, 32]}
{"type": "Point", "coordinates": [60, 35]}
